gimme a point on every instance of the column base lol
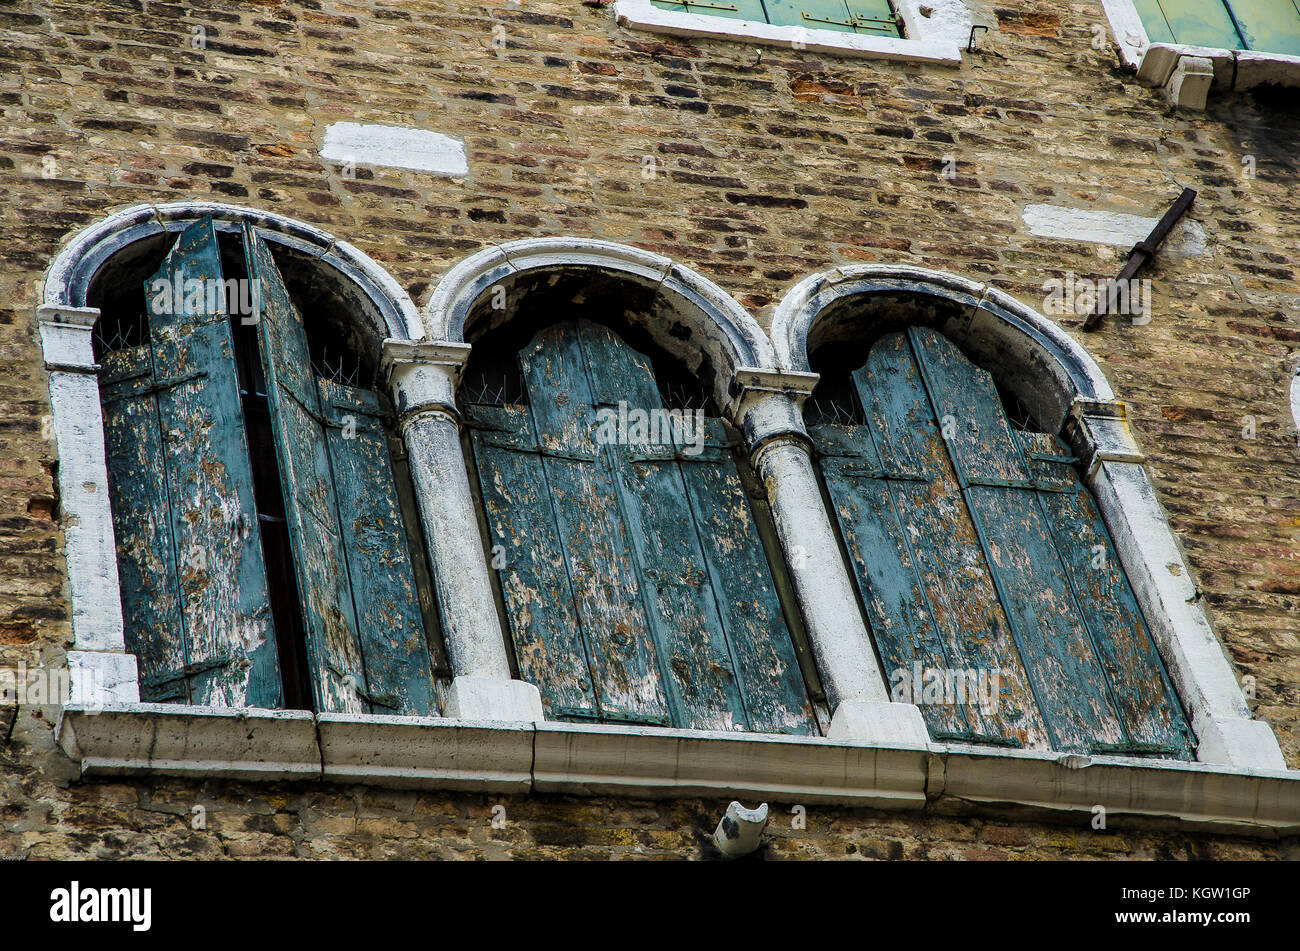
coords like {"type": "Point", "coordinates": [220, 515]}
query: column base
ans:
{"type": "Point", "coordinates": [1237, 742]}
{"type": "Point", "coordinates": [493, 698]}
{"type": "Point", "coordinates": [880, 723]}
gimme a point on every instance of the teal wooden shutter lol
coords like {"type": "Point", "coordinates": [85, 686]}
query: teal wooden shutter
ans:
{"type": "Point", "coordinates": [733, 9]}
{"type": "Point", "coordinates": [927, 591]}
{"type": "Point", "coordinates": [1092, 666]}
{"type": "Point", "coordinates": [390, 622]}
{"type": "Point", "coordinates": [870, 17]}
{"type": "Point", "coordinates": [189, 548]}
{"type": "Point", "coordinates": [1270, 26]}
{"type": "Point", "coordinates": [709, 593]}
{"type": "Point", "coordinates": [1190, 22]}
{"type": "Point", "coordinates": [365, 637]}
{"type": "Point", "coordinates": [621, 604]}
{"type": "Point", "coordinates": [1140, 689]}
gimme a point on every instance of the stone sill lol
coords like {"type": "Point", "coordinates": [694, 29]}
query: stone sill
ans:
{"type": "Point", "coordinates": [581, 759]}
{"type": "Point", "coordinates": [640, 14]}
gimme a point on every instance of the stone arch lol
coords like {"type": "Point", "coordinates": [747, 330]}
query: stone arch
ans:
{"type": "Point", "coordinates": [353, 276]}
{"type": "Point", "coordinates": [688, 315]}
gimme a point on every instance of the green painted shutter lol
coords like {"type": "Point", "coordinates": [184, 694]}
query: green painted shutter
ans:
{"type": "Point", "coordinates": [189, 548]}
{"type": "Point", "coordinates": [1074, 636]}
{"type": "Point", "coordinates": [1270, 26]}
{"type": "Point", "coordinates": [869, 17]}
{"type": "Point", "coordinates": [1140, 689]}
{"type": "Point", "coordinates": [929, 597]}
{"type": "Point", "coordinates": [529, 557]}
{"type": "Point", "coordinates": [709, 593]}
{"type": "Point", "coordinates": [1190, 22]}
{"type": "Point", "coordinates": [734, 9]}
{"type": "Point", "coordinates": [633, 577]}
{"type": "Point", "coordinates": [362, 624]}
{"type": "Point", "coordinates": [390, 622]}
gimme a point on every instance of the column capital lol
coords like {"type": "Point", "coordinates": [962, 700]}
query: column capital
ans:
{"type": "Point", "coordinates": [423, 374]}
{"type": "Point", "coordinates": [768, 403]}
{"type": "Point", "coordinates": [66, 337]}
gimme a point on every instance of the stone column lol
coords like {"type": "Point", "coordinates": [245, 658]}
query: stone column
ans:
{"type": "Point", "coordinates": [1202, 674]}
{"type": "Point", "coordinates": [767, 406]}
{"type": "Point", "coordinates": [422, 377]}
{"type": "Point", "coordinates": [101, 671]}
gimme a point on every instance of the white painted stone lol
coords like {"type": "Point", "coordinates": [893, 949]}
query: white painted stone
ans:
{"type": "Point", "coordinates": [1237, 742]}
{"type": "Point", "coordinates": [393, 146]}
{"type": "Point", "coordinates": [426, 752]}
{"type": "Point", "coordinates": [948, 20]}
{"type": "Point", "coordinates": [1295, 398]}
{"type": "Point", "coordinates": [925, 44]}
{"type": "Point", "coordinates": [1189, 84]}
{"type": "Point", "coordinates": [880, 723]}
{"type": "Point", "coordinates": [103, 679]}
{"type": "Point", "coordinates": [494, 698]}
{"type": "Point", "coordinates": [191, 741]}
{"type": "Point", "coordinates": [87, 519]}
{"type": "Point", "coordinates": [1109, 227]}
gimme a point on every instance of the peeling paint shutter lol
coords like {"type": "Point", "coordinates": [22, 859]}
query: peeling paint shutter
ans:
{"type": "Point", "coordinates": [929, 596]}
{"type": "Point", "coordinates": [390, 623]}
{"type": "Point", "coordinates": [869, 17]}
{"type": "Point", "coordinates": [1066, 622]}
{"type": "Point", "coordinates": [189, 549]}
{"type": "Point", "coordinates": [353, 571]}
{"type": "Point", "coordinates": [634, 580]}
{"type": "Point", "coordinates": [709, 593]}
{"type": "Point", "coordinates": [977, 548]}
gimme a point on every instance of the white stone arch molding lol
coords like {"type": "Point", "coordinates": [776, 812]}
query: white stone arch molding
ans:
{"type": "Point", "coordinates": [103, 673]}
{"type": "Point", "coordinates": [1062, 385]}
{"type": "Point", "coordinates": [694, 317]}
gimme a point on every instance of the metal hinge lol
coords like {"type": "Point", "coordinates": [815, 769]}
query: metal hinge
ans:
{"type": "Point", "coordinates": [856, 21]}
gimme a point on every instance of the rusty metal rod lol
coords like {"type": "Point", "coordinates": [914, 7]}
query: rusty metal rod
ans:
{"type": "Point", "coordinates": [1142, 252]}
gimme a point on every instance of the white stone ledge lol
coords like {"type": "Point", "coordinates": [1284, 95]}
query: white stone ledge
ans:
{"type": "Point", "coordinates": [641, 14]}
{"type": "Point", "coordinates": [581, 759]}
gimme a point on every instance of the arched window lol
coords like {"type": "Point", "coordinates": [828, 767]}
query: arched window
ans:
{"type": "Point", "coordinates": [632, 573]}
{"type": "Point", "coordinates": [991, 586]}
{"type": "Point", "coordinates": [266, 549]}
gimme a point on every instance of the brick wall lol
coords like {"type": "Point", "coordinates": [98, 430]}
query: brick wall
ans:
{"type": "Point", "coordinates": [766, 169]}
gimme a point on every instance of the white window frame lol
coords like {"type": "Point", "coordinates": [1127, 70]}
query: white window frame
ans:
{"type": "Point", "coordinates": [1188, 72]}
{"type": "Point", "coordinates": [934, 38]}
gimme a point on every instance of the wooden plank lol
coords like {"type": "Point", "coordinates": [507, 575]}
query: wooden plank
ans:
{"type": "Point", "coordinates": [628, 682]}
{"type": "Point", "coordinates": [868, 17]}
{"type": "Point", "coordinates": [230, 653]}
{"type": "Point", "coordinates": [1148, 707]}
{"type": "Point", "coordinates": [390, 625]}
{"type": "Point", "coordinates": [142, 523]}
{"type": "Point", "coordinates": [732, 9]}
{"type": "Point", "coordinates": [529, 558]}
{"type": "Point", "coordinates": [1054, 643]}
{"type": "Point", "coordinates": [320, 563]}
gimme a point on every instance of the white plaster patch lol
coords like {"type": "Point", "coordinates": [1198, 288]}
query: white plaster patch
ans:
{"type": "Point", "coordinates": [1108, 227]}
{"type": "Point", "coordinates": [394, 146]}
{"type": "Point", "coordinates": [1295, 397]}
